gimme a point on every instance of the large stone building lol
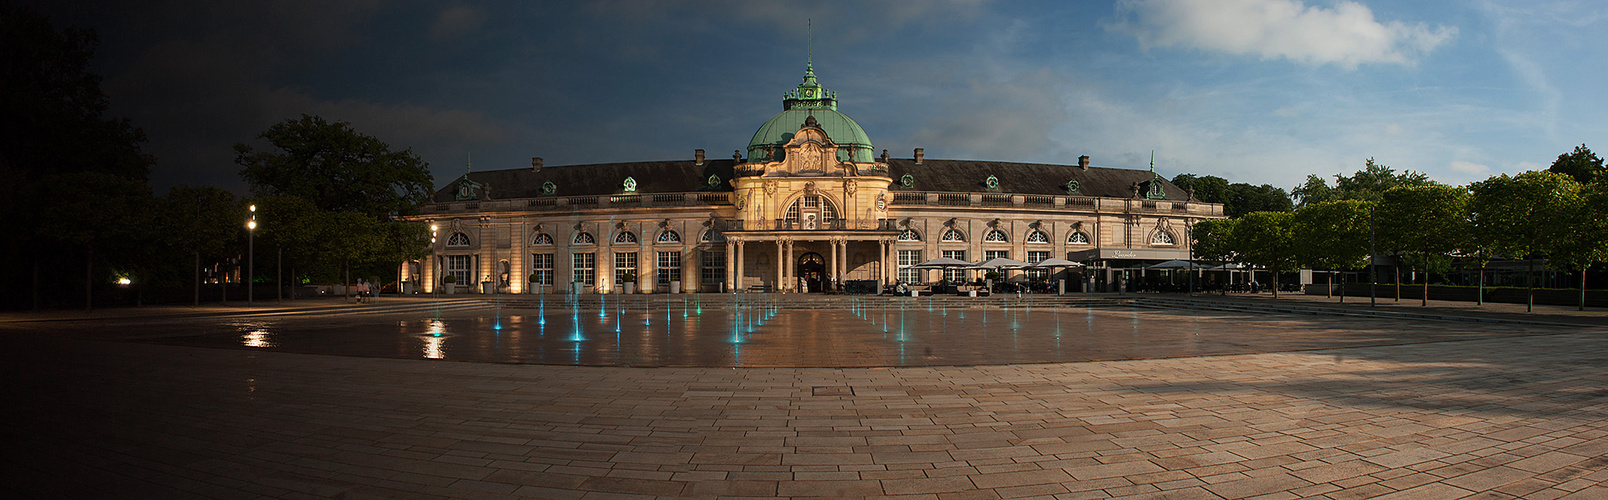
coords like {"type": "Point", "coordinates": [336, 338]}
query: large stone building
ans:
{"type": "Point", "coordinates": [811, 207]}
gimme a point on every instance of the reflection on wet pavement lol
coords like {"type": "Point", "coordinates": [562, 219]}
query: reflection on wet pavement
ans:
{"type": "Point", "coordinates": [866, 333]}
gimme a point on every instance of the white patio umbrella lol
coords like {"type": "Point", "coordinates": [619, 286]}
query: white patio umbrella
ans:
{"type": "Point", "coordinates": [1000, 263]}
{"type": "Point", "coordinates": [942, 263]}
{"type": "Point", "coordinates": [1174, 264]}
{"type": "Point", "coordinates": [1054, 262]}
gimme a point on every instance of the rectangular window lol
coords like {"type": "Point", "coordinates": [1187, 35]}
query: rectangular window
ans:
{"type": "Point", "coordinates": [713, 268]}
{"type": "Point", "coordinates": [909, 258]}
{"type": "Point", "coordinates": [669, 267]}
{"type": "Point", "coordinates": [585, 268]}
{"type": "Point", "coordinates": [996, 254]}
{"type": "Point", "coordinates": [541, 265]}
{"type": "Point", "coordinates": [458, 269]}
{"type": "Point", "coordinates": [624, 262]}
{"type": "Point", "coordinates": [1034, 257]}
{"type": "Point", "coordinates": [955, 274]}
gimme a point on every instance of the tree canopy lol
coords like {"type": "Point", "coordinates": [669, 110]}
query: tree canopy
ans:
{"type": "Point", "coordinates": [336, 168]}
{"type": "Point", "coordinates": [1581, 164]}
{"type": "Point", "coordinates": [1368, 184]}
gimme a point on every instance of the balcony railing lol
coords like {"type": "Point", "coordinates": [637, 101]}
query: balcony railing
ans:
{"type": "Point", "coordinates": [797, 225]}
{"type": "Point", "coordinates": [547, 203]}
{"type": "Point", "coordinates": [1052, 202]}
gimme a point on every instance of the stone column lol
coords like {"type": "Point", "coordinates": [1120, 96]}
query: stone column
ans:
{"type": "Point", "coordinates": [831, 270]}
{"type": "Point", "coordinates": [739, 267]}
{"type": "Point", "coordinates": [647, 262]}
{"type": "Point", "coordinates": [882, 266]}
{"type": "Point", "coordinates": [730, 269]}
{"type": "Point", "coordinates": [781, 276]}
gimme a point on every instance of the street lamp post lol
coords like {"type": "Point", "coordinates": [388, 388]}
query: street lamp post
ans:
{"type": "Point", "coordinates": [251, 254]}
{"type": "Point", "coordinates": [435, 287]}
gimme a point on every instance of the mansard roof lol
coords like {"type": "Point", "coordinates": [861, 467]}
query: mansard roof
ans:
{"type": "Point", "coordinates": [679, 176]}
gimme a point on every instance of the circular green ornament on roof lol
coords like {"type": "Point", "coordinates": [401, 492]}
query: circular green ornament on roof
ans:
{"type": "Point", "coordinates": [907, 181]}
{"type": "Point", "coordinates": [549, 188]}
{"type": "Point", "coordinates": [1072, 186]}
{"type": "Point", "coordinates": [991, 183]}
{"type": "Point", "coordinates": [714, 181]}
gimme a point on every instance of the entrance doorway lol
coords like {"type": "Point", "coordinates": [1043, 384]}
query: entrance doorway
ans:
{"type": "Point", "coordinates": [812, 270]}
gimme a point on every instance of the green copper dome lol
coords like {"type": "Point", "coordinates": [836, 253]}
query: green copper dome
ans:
{"type": "Point", "coordinates": [810, 99]}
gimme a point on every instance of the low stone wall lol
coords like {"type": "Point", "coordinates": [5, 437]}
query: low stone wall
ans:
{"type": "Point", "coordinates": [1549, 296]}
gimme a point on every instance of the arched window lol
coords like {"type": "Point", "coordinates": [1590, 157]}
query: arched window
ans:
{"type": "Point", "coordinates": [458, 240]}
{"type": "Point", "coordinates": [1077, 238]}
{"type": "Point", "coordinates": [909, 235]}
{"type": "Point", "coordinates": [542, 239]}
{"type": "Point", "coordinates": [625, 237]}
{"type": "Point", "coordinates": [1161, 238]}
{"type": "Point", "coordinates": [584, 238]}
{"type": "Point", "coordinates": [953, 236]}
{"type": "Point", "coordinates": [1036, 236]}
{"type": "Point", "coordinates": [669, 236]}
{"type": "Point", "coordinates": [995, 236]}
{"type": "Point", "coordinates": [811, 212]}
{"type": "Point", "coordinates": [711, 236]}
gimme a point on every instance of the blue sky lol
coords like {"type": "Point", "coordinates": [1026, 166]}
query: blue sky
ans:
{"type": "Point", "coordinates": [1259, 91]}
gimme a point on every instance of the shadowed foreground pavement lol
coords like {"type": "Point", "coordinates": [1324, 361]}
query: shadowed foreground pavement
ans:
{"type": "Point", "coordinates": [1495, 417]}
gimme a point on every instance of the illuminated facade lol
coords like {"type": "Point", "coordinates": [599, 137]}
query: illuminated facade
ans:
{"type": "Point", "coordinates": [810, 208]}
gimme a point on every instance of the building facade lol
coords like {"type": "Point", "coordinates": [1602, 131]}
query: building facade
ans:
{"type": "Point", "coordinates": [810, 208]}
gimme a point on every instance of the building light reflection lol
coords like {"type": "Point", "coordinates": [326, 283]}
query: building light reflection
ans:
{"type": "Point", "coordinates": [257, 338]}
{"type": "Point", "coordinates": [433, 340]}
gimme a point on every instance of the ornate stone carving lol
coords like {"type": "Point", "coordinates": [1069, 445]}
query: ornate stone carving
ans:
{"type": "Point", "coordinates": [770, 187]}
{"type": "Point", "coordinates": [849, 186]}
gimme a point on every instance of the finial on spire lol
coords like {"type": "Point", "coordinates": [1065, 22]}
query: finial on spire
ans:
{"type": "Point", "coordinates": [469, 164]}
{"type": "Point", "coordinates": [1152, 161]}
{"type": "Point", "coordinates": [809, 43]}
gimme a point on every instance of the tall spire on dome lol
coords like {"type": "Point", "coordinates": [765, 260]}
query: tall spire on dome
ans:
{"type": "Point", "coordinates": [809, 94]}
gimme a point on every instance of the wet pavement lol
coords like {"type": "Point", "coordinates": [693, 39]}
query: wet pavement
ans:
{"type": "Point", "coordinates": [759, 333]}
{"type": "Point", "coordinates": [252, 406]}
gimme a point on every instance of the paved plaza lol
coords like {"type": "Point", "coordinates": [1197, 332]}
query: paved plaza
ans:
{"type": "Point", "coordinates": [1504, 410]}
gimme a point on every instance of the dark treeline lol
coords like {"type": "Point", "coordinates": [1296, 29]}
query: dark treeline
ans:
{"type": "Point", "coordinates": [1559, 215]}
{"type": "Point", "coordinates": [83, 225]}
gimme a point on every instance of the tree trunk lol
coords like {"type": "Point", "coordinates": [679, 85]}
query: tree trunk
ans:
{"type": "Point", "coordinates": [198, 278]}
{"type": "Point", "coordinates": [1583, 286]}
{"type": "Point", "coordinates": [1328, 290]}
{"type": "Point", "coordinates": [1275, 284]}
{"type": "Point", "coordinates": [1397, 267]}
{"type": "Point", "coordinates": [346, 287]}
{"type": "Point", "coordinates": [1529, 281]}
{"type": "Point", "coordinates": [1424, 300]}
{"type": "Point", "coordinates": [1342, 288]}
{"type": "Point", "coordinates": [279, 273]}
{"type": "Point", "coordinates": [89, 273]}
{"type": "Point", "coordinates": [35, 253]}
{"type": "Point", "coordinates": [1479, 300]}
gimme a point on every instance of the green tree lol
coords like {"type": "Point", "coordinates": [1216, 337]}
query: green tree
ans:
{"type": "Point", "coordinates": [1426, 222]}
{"type": "Point", "coordinates": [1212, 241]}
{"type": "Point", "coordinates": [1581, 164]}
{"type": "Point", "coordinates": [1520, 215]}
{"type": "Point", "coordinates": [1245, 198]}
{"type": "Point", "coordinates": [1332, 235]}
{"type": "Point", "coordinates": [1368, 184]}
{"type": "Point", "coordinates": [52, 127]}
{"type": "Point", "coordinates": [200, 222]}
{"type": "Point", "coordinates": [1266, 239]}
{"type": "Point", "coordinates": [1208, 188]}
{"type": "Point", "coordinates": [336, 168]}
{"type": "Point", "coordinates": [102, 211]}
{"type": "Point", "coordinates": [1586, 241]}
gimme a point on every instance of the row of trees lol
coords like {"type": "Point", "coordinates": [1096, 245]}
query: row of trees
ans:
{"type": "Point", "coordinates": [80, 215]}
{"type": "Point", "coordinates": [1549, 214]}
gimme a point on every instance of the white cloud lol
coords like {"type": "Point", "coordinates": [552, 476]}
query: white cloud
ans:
{"type": "Point", "coordinates": [1346, 35]}
{"type": "Point", "coordinates": [1287, 112]}
{"type": "Point", "coordinates": [1469, 168]}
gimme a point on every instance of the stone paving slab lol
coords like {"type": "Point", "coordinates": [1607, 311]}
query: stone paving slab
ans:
{"type": "Point", "coordinates": [1491, 418]}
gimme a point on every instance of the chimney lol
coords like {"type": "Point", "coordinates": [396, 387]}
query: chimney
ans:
{"type": "Point", "coordinates": [1083, 162]}
{"type": "Point", "coordinates": [884, 156]}
{"type": "Point", "coordinates": [920, 152]}
{"type": "Point", "coordinates": [536, 163]}
{"type": "Point", "coordinates": [697, 155]}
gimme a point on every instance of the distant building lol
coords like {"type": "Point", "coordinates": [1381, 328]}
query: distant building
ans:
{"type": "Point", "coordinates": [810, 207]}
